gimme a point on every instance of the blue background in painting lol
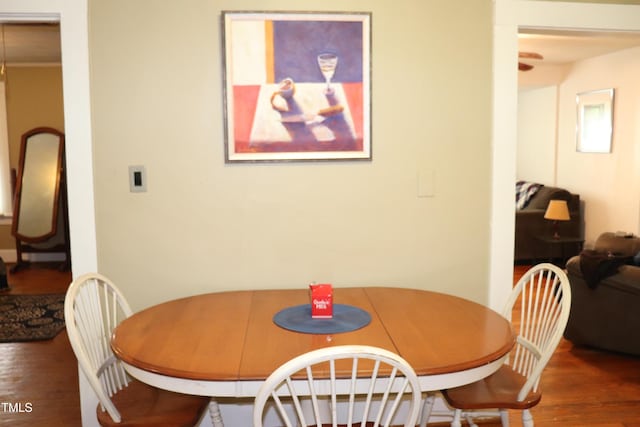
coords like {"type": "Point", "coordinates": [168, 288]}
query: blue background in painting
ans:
{"type": "Point", "coordinates": [298, 43]}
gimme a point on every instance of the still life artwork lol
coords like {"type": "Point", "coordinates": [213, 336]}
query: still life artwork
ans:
{"type": "Point", "coordinates": [296, 86]}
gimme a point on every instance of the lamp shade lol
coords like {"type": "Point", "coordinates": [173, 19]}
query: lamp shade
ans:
{"type": "Point", "coordinates": [558, 210]}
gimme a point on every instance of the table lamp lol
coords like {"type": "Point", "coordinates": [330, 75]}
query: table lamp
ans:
{"type": "Point", "coordinates": [557, 211]}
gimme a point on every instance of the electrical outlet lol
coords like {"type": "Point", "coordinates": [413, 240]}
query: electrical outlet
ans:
{"type": "Point", "coordinates": [137, 179]}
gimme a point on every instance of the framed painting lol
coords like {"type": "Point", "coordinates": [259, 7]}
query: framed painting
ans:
{"type": "Point", "coordinates": [594, 130]}
{"type": "Point", "coordinates": [297, 86]}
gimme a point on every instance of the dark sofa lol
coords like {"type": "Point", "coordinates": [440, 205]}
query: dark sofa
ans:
{"type": "Point", "coordinates": [530, 223]}
{"type": "Point", "coordinates": [604, 313]}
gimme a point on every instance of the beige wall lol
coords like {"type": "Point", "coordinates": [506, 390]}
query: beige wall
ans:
{"type": "Point", "coordinates": [34, 99]}
{"type": "Point", "coordinates": [206, 226]}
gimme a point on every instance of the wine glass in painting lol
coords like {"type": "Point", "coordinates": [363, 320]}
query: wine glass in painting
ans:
{"type": "Point", "coordinates": [327, 63]}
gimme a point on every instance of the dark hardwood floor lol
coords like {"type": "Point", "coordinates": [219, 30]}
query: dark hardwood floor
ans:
{"type": "Point", "coordinates": [581, 386]}
{"type": "Point", "coordinates": [42, 374]}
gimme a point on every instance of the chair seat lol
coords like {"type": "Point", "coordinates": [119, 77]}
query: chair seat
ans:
{"type": "Point", "coordinates": [539, 307]}
{"type": "Point", "coordinates": [142, 405]}
{"type": "Point", "coordinates": [499, 390]}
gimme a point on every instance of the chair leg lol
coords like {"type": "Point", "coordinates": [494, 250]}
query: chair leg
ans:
{"type": "Point", "coordinates": [214, 412]}
{"type": "Point", "coordinates": [456, 418]}
{"type": "Point", "coordinates": [469, 418]}
{"type": "Point", "coordinates": [427, 406]}
{"type": "Point", "coordinates": [527, 418]}
{"type": "Point", "coordinates": [504, 417]}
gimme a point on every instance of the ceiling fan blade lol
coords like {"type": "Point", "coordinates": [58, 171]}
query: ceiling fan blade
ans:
{"type": "Point", "coordinates": [524, 67]}
{"type": "Point", "coordinates": [530, 55]}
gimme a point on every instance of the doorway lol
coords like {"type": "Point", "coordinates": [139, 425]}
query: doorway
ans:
{"type": "Point", "coordinates": [74, 34]}
{"type": "Point", "coordinates": [509, 17]}
{"type": "Point", "coordinates": [32, 74]}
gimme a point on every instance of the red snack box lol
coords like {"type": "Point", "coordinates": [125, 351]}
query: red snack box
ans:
{"type": "Point", "coordinates": [321, 301]}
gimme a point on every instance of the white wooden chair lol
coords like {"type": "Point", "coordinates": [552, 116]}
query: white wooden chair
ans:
{"type": "Point", "coordinates": [543, 298]}
{"type": "Point", "coordinates": [93, 308]}
{"type": "Point", "coordinates": [329, 377]}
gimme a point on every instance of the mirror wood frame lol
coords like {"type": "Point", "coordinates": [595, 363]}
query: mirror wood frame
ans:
{"type": "Point", "coordinates": [25, 243]}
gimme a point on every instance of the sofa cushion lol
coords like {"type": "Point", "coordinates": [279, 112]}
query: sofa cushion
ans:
{"type": "Point", "coordinates": [544, 194]}
{"type": "Point", "coordinates": [626, 245]}
{"type": "Point", "coordinates": [607, 316]}
{"type": "Point", "coordinates": [626, 280]}
{"type": "Point", "coordinates": [596, 266]}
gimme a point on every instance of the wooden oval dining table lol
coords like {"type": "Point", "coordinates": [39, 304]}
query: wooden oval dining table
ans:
{"type": "Point", "coordinates": [225, 344]}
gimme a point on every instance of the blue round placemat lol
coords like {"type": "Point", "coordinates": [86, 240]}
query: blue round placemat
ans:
{"type": "Point", "coordinates": [345, 318]}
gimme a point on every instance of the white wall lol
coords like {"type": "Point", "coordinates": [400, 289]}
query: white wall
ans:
{"type": "Point", "coordinates": [537, 127]}
{"type": "Point", "coordinates": [608, 183]}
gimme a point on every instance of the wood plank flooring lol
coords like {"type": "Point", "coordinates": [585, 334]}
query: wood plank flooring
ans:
{"type": "Point", "coordinates": [586, 387]}
{"type": "Point", "coordinates": [42, 375]}
{"type": "Point", "coordinates": [581, 386]}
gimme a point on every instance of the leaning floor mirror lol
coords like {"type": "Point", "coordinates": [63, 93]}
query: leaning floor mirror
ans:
{"type": "Point", "coordinates": [40, 217]}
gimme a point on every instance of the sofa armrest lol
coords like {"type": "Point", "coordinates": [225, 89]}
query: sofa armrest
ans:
{"type": "Point", "coordinates": [627, 279]}
{"type": "Point", "coordinates": [605, 316]}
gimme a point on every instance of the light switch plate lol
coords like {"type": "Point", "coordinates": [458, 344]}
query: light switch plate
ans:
{"type": "Point", "coordinates": [137, 179]}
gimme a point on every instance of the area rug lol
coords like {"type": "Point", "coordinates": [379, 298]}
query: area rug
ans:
{"type": "Point", "coordinates": [31, 317]}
